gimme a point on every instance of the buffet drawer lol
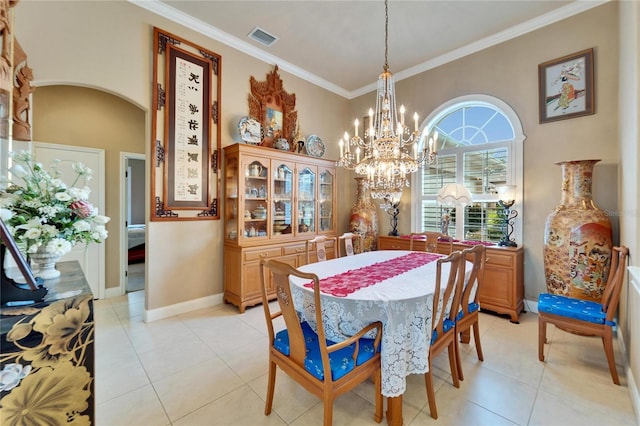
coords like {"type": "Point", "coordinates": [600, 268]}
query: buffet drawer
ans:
{"type": "Point", "coordinates": [264, 253]}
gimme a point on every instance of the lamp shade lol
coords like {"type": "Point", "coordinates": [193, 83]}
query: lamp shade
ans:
{"type": "Point", "coordinates": [506, 193]}
{"type": "Point", "coordinates": [454, 194]}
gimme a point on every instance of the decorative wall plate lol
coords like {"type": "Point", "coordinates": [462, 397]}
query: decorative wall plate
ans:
{"type": "Point", "coordinates": [314, 146]}
{"type": "Point", "coordinates": [250, 130]}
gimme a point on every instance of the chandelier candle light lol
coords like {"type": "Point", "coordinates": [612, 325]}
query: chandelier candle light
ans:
{"type": "Point", "coordinates": [388, 151]}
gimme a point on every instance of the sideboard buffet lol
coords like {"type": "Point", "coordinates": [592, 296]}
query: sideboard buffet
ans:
{"type": "Point", "coordinates": [502, 290]}
{"type": "Point", "coordinates": [274, 201]}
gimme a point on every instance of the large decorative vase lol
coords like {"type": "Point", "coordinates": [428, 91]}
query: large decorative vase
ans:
{"type": "Point", "coordinates": [46, 264]}
{"type": "Point", "coordinates": [577, 238]}
{"type": "Point", "coordinates": [364, 219]}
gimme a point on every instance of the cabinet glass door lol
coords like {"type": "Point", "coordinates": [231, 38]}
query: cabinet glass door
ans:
{"type": "Point", "coordinates": [306, 200]}
{"type": "Point", "coordinates": [256, 186]}
{"type": "Point", "coordinates": [326, 201]}
{"type": "Point", "coordinates": [231, 194]}
{"type": "Point", "coordinates": [282, 199]}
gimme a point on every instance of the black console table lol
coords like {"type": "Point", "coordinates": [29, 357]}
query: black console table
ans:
{"type": "Point", "coordinates": [48, 349]}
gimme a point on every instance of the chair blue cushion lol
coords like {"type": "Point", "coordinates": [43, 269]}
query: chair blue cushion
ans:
{"type": "Point", "coordinates": [447, 325]}
{"type": "Point", "coordinates": [341, 361]}
{"type": "Point", "coordinates": [472, 308]}
{"type": "Point", "coordinates": [583, 310]}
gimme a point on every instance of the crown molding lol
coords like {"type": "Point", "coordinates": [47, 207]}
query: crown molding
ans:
{"type": "Point", "coordinates": [179, 17]}
{"type": "Point", "coordinates": [508, 34]}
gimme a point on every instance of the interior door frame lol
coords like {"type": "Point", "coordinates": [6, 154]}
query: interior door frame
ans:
{"type": "Point", "coordinates": [124, 259]}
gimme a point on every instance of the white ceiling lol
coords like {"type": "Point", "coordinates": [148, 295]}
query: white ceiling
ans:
{"type": "Point", "coordinates": [339, 45]}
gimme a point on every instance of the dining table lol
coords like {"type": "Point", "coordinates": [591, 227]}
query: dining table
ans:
{"type": "Point", "coordinates": [395, 287]}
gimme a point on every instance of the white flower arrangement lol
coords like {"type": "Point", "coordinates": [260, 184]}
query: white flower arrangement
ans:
{"type": "Point", "coordinates": [43, 214]}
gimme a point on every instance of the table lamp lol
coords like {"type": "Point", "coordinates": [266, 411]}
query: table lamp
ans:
{"type": "Point", "coordinates": [506, 199]}
{"type": "Point", "coordinates": [391, 205]}
{"type": "Point", "coordinates": [451, 195]}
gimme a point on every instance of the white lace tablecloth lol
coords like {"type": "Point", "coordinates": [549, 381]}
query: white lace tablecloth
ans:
{"type": "Point", "coordinates": [402, 303]}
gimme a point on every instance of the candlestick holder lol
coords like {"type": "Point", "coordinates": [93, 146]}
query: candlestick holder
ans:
{"type": "Point", "coordinates": [392, 208]}
{"type": "Point", "coordinates": [506, 200]}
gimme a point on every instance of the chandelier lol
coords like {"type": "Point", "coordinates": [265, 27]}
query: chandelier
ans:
{"type": "Point", "coordinates": [388, 151]}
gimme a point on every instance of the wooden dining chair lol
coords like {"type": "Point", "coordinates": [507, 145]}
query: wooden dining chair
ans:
{"type": "Point", "coordinates": [320, 243]}
{"type": "Point", "coordinates": [326, 369]}
{"type": "Point", "coordinates": [469, 305]}
{"type": "Point", "coordinates": [583, 316]}
{"type": "Point", "coordinates": [443, 332]}
{"type": "Point", "coordinates": [346, 240]}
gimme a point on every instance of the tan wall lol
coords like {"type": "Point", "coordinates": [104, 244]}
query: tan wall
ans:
{"type": "Point", "coordinates": [509, 71]}
{"type": "Point", "coordinates": [85, 117]}
{"type": "Point", "coordinates": [107, 45]}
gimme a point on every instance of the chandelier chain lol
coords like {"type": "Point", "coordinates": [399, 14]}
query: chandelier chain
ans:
{"type": "Point", "coordinates": [386, 35]}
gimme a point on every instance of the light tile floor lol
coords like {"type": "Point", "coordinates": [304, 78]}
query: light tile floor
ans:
{"type": "Point", "coordinates": [209, 367]}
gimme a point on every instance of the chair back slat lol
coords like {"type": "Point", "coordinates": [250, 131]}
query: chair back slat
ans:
{"type": "Point", "coordinates": [320, 243]}
{"type": "Point", "coordinates": [444, 296]}
{"type": "Point", "coordinates": [613, 287]}
{"type": "Point", "coordinates": [471, 286]}
{"type": "Point", "coordinates": [349, 247]}
{"type": "Point", "coordinates": [431, 240]}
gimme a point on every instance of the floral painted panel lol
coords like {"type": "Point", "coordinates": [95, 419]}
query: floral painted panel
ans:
{"type": "Point", "coordinates": [47, 356]}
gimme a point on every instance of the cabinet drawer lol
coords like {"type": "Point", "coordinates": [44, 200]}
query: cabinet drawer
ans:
{"type": "Point", "coordinates": [393, 243]}
{"type": "Point", "coordinates": [294, 249]}
{"type": "Point", "coordinates": [265, 253]}
{"type": "Point", "coordinates": [500, 259]}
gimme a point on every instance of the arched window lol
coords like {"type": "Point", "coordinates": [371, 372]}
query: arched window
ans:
{"type": "Point", "coordinates": [480, 146]}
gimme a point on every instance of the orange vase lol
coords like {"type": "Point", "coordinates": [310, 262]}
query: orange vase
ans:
{"type": "Point", "coordinates": [577, 238]}
{"type": "Point", "coordinates": [364, 218]}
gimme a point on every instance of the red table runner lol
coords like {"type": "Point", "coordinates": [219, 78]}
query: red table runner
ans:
{"type": "Point", "coordinates": [344, 284]}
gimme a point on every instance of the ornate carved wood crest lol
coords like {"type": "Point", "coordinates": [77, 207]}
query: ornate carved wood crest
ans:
{"type": "Point", "coordinates": [268, 101]}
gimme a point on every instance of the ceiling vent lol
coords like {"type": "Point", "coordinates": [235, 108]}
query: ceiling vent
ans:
{"type": "Point", "coordinates": [261, 36]}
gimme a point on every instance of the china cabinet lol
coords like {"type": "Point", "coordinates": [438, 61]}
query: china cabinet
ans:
{"type": "Point", "coordinates": [273, 202]}
{"type": "Point", "coordinates": [502, 289]}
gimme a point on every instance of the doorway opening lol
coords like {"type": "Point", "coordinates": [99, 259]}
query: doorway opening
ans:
{"type": "Point", "coordinates": [134, 224]}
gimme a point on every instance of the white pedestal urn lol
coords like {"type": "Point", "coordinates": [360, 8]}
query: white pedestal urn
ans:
{"type": "Point", "coordinates": [364, 218]}
{"type": "Point", "coordinates": [577, 237]}
{"type": "Point", "coordinates": [46, 264]}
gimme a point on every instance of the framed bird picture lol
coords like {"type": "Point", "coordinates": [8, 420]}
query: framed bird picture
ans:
{"type": "Point", "coordinates": [566, 88]}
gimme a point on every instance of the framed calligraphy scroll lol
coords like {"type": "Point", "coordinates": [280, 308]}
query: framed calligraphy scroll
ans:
{"type": "Point", "coordinates": [185, 182]}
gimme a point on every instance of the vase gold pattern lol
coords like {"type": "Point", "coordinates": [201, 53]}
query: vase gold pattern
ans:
{"type": "Point", "coordinates": [364, 219]}
{"type": "Point", "coordinates": [577, 238]}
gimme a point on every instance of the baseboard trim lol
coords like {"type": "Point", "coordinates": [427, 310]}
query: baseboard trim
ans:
{"type": "Point", "coordinates": [182, 307]}
{"type": "Point", "coordinates": [634, 394]}
{"type": "Point", "coordinates": [112, 292]}
{"type": "Point", "coordinates": [531, 306]}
